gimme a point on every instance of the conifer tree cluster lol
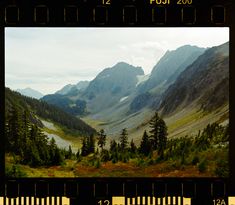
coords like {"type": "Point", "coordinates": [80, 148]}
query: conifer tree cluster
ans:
{"type": "Point", "coordinates": [157, 139]}
{"type": "Point", "coordinates": [28, 142]}
{"type": "Point", "coordinates": [123, 150]}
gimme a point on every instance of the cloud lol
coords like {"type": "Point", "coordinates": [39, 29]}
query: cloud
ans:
{"type": "Point", "coordinates": [49, 58]}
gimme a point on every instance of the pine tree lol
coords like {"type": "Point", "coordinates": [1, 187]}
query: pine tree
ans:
{"type": "Point", "coordinates": [35, 159]}
{"type": "Point", "coordinates": [70, 153]}
{"type": "Point", "coordinates": [101, 139]}
{"type": "Point", "coordinates": [52, 150]}
{"type": "Point", "coordinates": [162, 137]}
{"type": "Point", "coordinates": [25, 131]}
{"type": "Point", "coordinates": [91, 144]}
{"type": "Point", "coordinates": [123, 139]}
{"type": "Point", "coordinates": [78, 153]}
{"type": "Point", "coordinates": [15, 132]}
{"type": "Point", "coordinates": [159, 134]}
{"type": "Point", "coordinates": [113, 146]}
{"type": "Point", "coordinates": [43, 147]}
{"type": "Point", "coordinates": [85, 149]}
{"type": "Point", "coordinates": [133, 147]}
{"type": "Point", "coordinates": [154, 125]}
{"type": "Point", "coordinates": [145, 145]}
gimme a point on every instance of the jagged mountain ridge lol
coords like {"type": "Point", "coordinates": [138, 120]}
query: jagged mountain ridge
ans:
{"type": "Point", "coordinates": [170, 66]}
{"type": "Point", "coordinates": [204, 81]}
{"type": "Point", "coordinates": [164, 73]}
{"type": "Point", "coordinates": [71, 89]}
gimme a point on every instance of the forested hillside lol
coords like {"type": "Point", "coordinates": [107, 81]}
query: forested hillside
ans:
{"type": "Point", "coordinates": [45, 111]}
{"type": "Point", "coordinates": [25, 140]}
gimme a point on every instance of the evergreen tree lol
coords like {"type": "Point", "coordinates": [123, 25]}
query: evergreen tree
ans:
{"type": "Point", "coordinates": [133, 147]}
{"type": "Point", "coordinates": [43, 147]}
{"type": "Point", "coordinates": [158, 134]}
{"type": "Point", "coordinates": [25, 130]}
{"type": "Point", "coordinates": [15, 131]}
{"type": "Point", "coordinates": [85, 148]}
{"type": "Point", "coordinates": [58, 157]}
{"type": "Point", "coordinates": [113, 146]}
{"type": "Point", "coordinates": [123, 139]}
{"type": "Point", "coordinates": [162, 138]}
{"type": "Point", "coordinates": [78, 155]}
{"type": "Point", "coordinates": [34, 158]}
{"type": "Point", "coordinates": [101, 139]}
{"type": "Point", "coordinates": [145, 145]}
{"type": "Point", "coordinates": [154, 125]}
{"type": "Point", "coordinates": [70, 153]}
{"type": "Point", "coordinates": [91, 144]}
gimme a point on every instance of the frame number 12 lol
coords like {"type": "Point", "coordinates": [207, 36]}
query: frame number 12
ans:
{"type": "Point", "coordinates": [106, 2]}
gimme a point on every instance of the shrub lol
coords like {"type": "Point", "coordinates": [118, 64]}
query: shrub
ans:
{"type": "Point", "coordinates": [105, 155]}
{"type": "Point", "coordinates": [150, 161]}
{"type": "Point", "coordinates": [195, 160]}
{"type": "Point", "coordinates": [222, 168]}
{"type": "Point", "coordinates": [14, 171]}
{"type": "Point", "coordinates": [97, 163]}
{"type": "Point", "coordinates": [202, 166]}
{"type": "Point", "coordinates": [125, 157]}
{"type": "Point", "coordinates": [114, 160]}
{"type": "Point", "coordinates": [140, 162]}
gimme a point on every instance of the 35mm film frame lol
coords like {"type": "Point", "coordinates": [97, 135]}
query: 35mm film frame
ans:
{"type": "Point", "coordinates": [125, 13]}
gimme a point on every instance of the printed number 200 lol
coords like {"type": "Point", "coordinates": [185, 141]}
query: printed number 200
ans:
{"type": "Point", "coordinates": [184, 1]}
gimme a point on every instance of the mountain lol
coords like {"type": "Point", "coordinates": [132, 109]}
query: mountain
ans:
{"type": "Point", "coordinates": [205, 83]}
{"type": "Point", "coordinates": [170, 66]}
{"type": "Point", "coordinates": [73, 107]}
{"type": "Point", "coordinates": [111, 86]}
{"type": "Point", "coordinates": [163, 74]}
{"type": "Point", "coordinates": [41, 110]}
{"type": "Point", "coordinates": [184, 81]}
{"type": "Point", "coordinates": [30, 93]}
{"type": "Point", "coordinates": [64, 98]}
{"type": "Point", "coordinates": [65, 89]}
{"type": "Point", "coordinates": [70, 89]}
{"type": "Point", "coordinates": [82, 85]}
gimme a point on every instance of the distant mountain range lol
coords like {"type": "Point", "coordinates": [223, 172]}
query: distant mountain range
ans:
{"type": "Point", "coordinates": [80, 86]}
{"type": "Point", "coordinates": [30, 93]}
{"type": "Point", "coordinates": [123, 96]}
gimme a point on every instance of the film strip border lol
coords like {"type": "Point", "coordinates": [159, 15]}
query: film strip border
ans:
{"type": "Point", "coordinates": [92, 190]}
{"type": "Point", "coordinates": [116, 13]}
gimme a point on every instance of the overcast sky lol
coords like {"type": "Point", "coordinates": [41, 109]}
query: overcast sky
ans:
{"type": "Point", "coordinates": [46, 59]}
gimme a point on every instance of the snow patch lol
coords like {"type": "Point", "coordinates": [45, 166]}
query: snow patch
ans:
{"type": "Point", "coordinates": [48, 125]}
{"type": "Point", "coordinates": [61, 143]}
{"type": "Point", "coordinates": [124, 98]}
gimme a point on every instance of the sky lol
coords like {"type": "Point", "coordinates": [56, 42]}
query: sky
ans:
{"type": "Point", "coordinates": [46, 59]}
